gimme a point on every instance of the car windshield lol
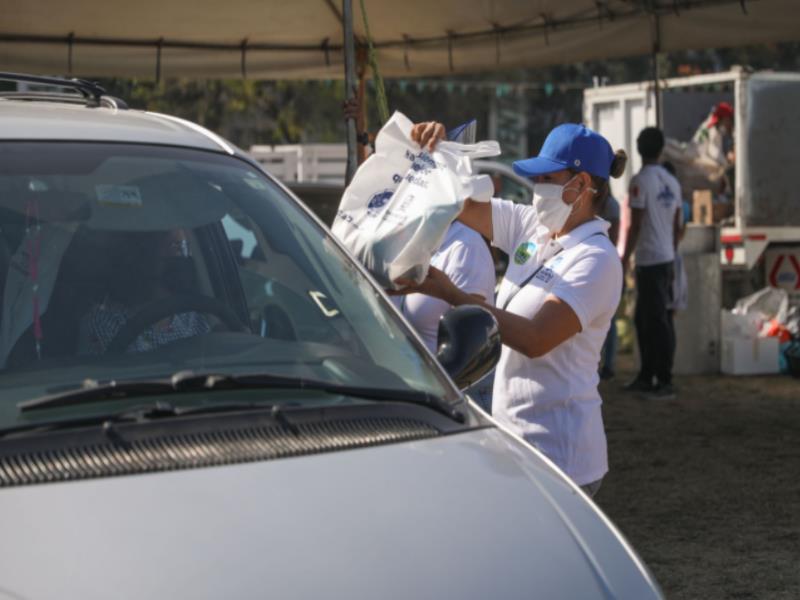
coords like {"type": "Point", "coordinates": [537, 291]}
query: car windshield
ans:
{"type": "Point", "coordinates": [128, 262]}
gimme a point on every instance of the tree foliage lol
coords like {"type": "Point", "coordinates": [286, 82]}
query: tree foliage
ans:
{"type": "Point", "coordinates": [283, 112]}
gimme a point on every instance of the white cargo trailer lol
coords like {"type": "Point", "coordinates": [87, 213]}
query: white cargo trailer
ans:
{"type": "Point", "coordinates": [767, 134]}
{"type": "Point", "coordinates": [723, 262]}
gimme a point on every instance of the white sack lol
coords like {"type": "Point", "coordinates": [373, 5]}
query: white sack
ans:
{"type": "Point", "coordinates": [766, 304]}
{"type": "Point", "coordinates": [680, 285]}
{"type": "Point", "coordinates": [396, 211]}
{"type": "Point", "coordinates": [693, 169]}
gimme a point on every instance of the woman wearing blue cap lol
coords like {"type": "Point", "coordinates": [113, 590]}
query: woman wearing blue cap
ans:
{"type": "Point", "coordinates": [557, 299]}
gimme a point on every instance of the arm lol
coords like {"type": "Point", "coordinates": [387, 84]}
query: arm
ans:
{"type": "Point", "coordinates": [677, 228]}
{"type": "Point", "coordinates": [637, 215]}
{"type": "Point", "coordinates": [613, 231]}
{"type": "Point", "coordinates": [351, 109]}
{"type": "Point", "coordinates": [555, 322]}
{"type": "Point", "coordinates": [476, 215]}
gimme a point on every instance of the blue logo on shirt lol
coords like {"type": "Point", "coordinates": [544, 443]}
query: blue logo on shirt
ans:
{"type": "Point", "coordinates": [545, 275]}
{"type": "Point", "coordinates": [666, 196]}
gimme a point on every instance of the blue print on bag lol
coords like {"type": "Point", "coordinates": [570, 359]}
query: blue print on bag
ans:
{"type": "Point", "coordinates": [379, 200]}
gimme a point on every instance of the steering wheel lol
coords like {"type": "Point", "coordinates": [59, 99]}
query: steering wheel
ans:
{"type": "Point", "coordinates": [154, 311]}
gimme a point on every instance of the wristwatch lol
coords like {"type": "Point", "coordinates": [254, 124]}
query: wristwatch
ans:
{"type": "Point", "coordinates": [363, 138]}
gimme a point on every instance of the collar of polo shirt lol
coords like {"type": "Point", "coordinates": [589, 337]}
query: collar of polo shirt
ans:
{"type": "Point", "coordinates": [583, 231]}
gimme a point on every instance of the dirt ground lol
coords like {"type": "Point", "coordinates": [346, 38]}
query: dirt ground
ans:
{"type": "Point", "coordinates": [707, 487]}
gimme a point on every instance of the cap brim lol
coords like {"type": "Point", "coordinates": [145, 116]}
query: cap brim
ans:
{"type": "Point", "coordinates": [538, 165]}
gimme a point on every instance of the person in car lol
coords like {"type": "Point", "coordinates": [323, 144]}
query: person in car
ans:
{"type": "Point", "coordinates": [558, 296]}
{"type": "Point", "coordinates": [151, 266]}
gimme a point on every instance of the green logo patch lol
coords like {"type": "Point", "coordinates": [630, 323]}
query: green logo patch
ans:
{"type": "Point", "coordinates": [523, 252]}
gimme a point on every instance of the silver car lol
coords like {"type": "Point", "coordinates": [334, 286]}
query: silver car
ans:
{"type": "Point", "coordinates": [203, 396]}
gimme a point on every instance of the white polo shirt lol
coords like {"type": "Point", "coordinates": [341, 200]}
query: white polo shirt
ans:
{"type": "Point", "coordinates": [552, 401]}
{"type": "Point", "coordinates": [465, 258]}
{"type": "Point", "coordinates": [658, 193]}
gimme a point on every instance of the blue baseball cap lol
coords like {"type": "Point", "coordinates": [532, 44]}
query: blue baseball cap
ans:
{"type": "Point", "coordinates": [570, 146]}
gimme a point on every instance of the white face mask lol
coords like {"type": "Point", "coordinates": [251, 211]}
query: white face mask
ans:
{"type": "Point", "coordinates": [548, 200]}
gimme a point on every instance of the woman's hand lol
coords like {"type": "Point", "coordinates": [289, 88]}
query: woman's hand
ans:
{"type": "Point", "coordinates": [427, 135]}
{"type": "Point", "coordinates": [436, 284]}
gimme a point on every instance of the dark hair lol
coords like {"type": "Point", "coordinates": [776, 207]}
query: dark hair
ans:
{"type": "Point", "coordinates": [601, 184]}
{"type": "Point", "coordinates": [650, 143]}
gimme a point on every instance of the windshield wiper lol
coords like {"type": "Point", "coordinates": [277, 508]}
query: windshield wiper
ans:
{"type": "Point", "coordinates": [157, 410]}
{"type": "Point", "coordinates": [95, 392]}
{"type": "Point", "coordinates": [191, 382]}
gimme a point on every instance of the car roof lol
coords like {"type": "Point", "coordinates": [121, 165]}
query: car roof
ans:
{"type": "Point", "coordinates": [62, 121]}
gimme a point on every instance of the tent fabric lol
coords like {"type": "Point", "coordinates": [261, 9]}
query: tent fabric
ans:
{"type": "Point", "coordinates": [301, 39]}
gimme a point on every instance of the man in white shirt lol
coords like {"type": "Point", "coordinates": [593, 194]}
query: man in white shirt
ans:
{"type": "Point", "coordinates": [611, 213]}
{"type": "Point", "coordinates": [465, 257]}
{"type": "Point", "coordinates": [655, 201]}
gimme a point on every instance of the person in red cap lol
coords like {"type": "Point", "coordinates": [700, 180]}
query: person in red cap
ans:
{"type": "Point", "coordinates": [722, 114]}
{"type": "Point", "coordinates": [715, 135]}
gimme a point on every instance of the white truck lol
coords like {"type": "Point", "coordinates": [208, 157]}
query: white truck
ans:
{"type": "Point", "coordinates": [760, 245]}
{"type": "Point", "coordinates": [767, 134]}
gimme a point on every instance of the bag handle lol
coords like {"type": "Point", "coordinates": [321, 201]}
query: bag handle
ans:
{"type": "Point", "coordinates": [482, 149]}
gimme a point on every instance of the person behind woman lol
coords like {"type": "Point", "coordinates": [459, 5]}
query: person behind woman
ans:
{"type": "Point", "coordinates": [467, 262]}
{"type": "Point", "coordinates": [611, 213]}
{"type": "Point", "coordinates": [558, 296]}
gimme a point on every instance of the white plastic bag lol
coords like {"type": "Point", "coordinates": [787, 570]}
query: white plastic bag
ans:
{"type": "Point", "coordinates": [734, 325]}
{"type": "Point", "coordinates": [766, 304]}
{"type": "Point", "coordinates": [397, 209]}
{"type": "Point", "coordinates": [680, 285]}
{"type": "Point", "coordinates": [693, 169]}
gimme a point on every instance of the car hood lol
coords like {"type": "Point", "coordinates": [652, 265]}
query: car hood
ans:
{"type": "Point", "coordinates": [470, 515]}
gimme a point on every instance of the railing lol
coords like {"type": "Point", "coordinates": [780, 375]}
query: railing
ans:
{"type": "Point", "coordinates": [303, 162]}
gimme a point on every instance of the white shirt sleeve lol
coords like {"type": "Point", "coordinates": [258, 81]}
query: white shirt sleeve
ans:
{"type": "Point", "coordinates": [636, 195]}
{"type": "Point", "coordinates": [592, 287]}
{"type": "Point", "coordinates": [511, 222]}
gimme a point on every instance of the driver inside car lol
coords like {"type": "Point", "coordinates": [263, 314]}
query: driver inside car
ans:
{"type": "Point", "coordinates": [151, 266]}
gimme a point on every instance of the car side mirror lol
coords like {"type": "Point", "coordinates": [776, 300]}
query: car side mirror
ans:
{"type": "Point", "coordinates": [468, 344]}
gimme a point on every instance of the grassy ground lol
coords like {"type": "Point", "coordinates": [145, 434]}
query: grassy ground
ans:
{"type": "Point", "coordinates": [707, 487]}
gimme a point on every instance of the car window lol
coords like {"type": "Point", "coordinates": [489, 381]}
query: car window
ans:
{"type": "Point", "coordinates": [122, 262]}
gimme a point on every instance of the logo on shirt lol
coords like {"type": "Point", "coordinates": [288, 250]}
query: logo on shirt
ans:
{"type": "Point", "coordinates": [545, 275]}
{"type": "Point", "coordinates": [523, 252]}
{"type": "Point", "coordinates": [666, 196]}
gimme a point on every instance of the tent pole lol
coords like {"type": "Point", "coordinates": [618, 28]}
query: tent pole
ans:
{"type": "Point", "coordinates": [657, 89]}
{"type": "Point", "coordinates": [656, 74]}
{"type": "Point", "coordinates": [350, 86]}
{"type": "Point", "coordinates": [361, 122]}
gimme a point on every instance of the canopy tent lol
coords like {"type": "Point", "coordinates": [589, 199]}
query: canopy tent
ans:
{"type": "Point", "coordinates": [295, 39]}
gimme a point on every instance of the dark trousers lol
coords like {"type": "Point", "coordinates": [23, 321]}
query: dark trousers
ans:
{"type": "Point", "coordinates": [655, 331]}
